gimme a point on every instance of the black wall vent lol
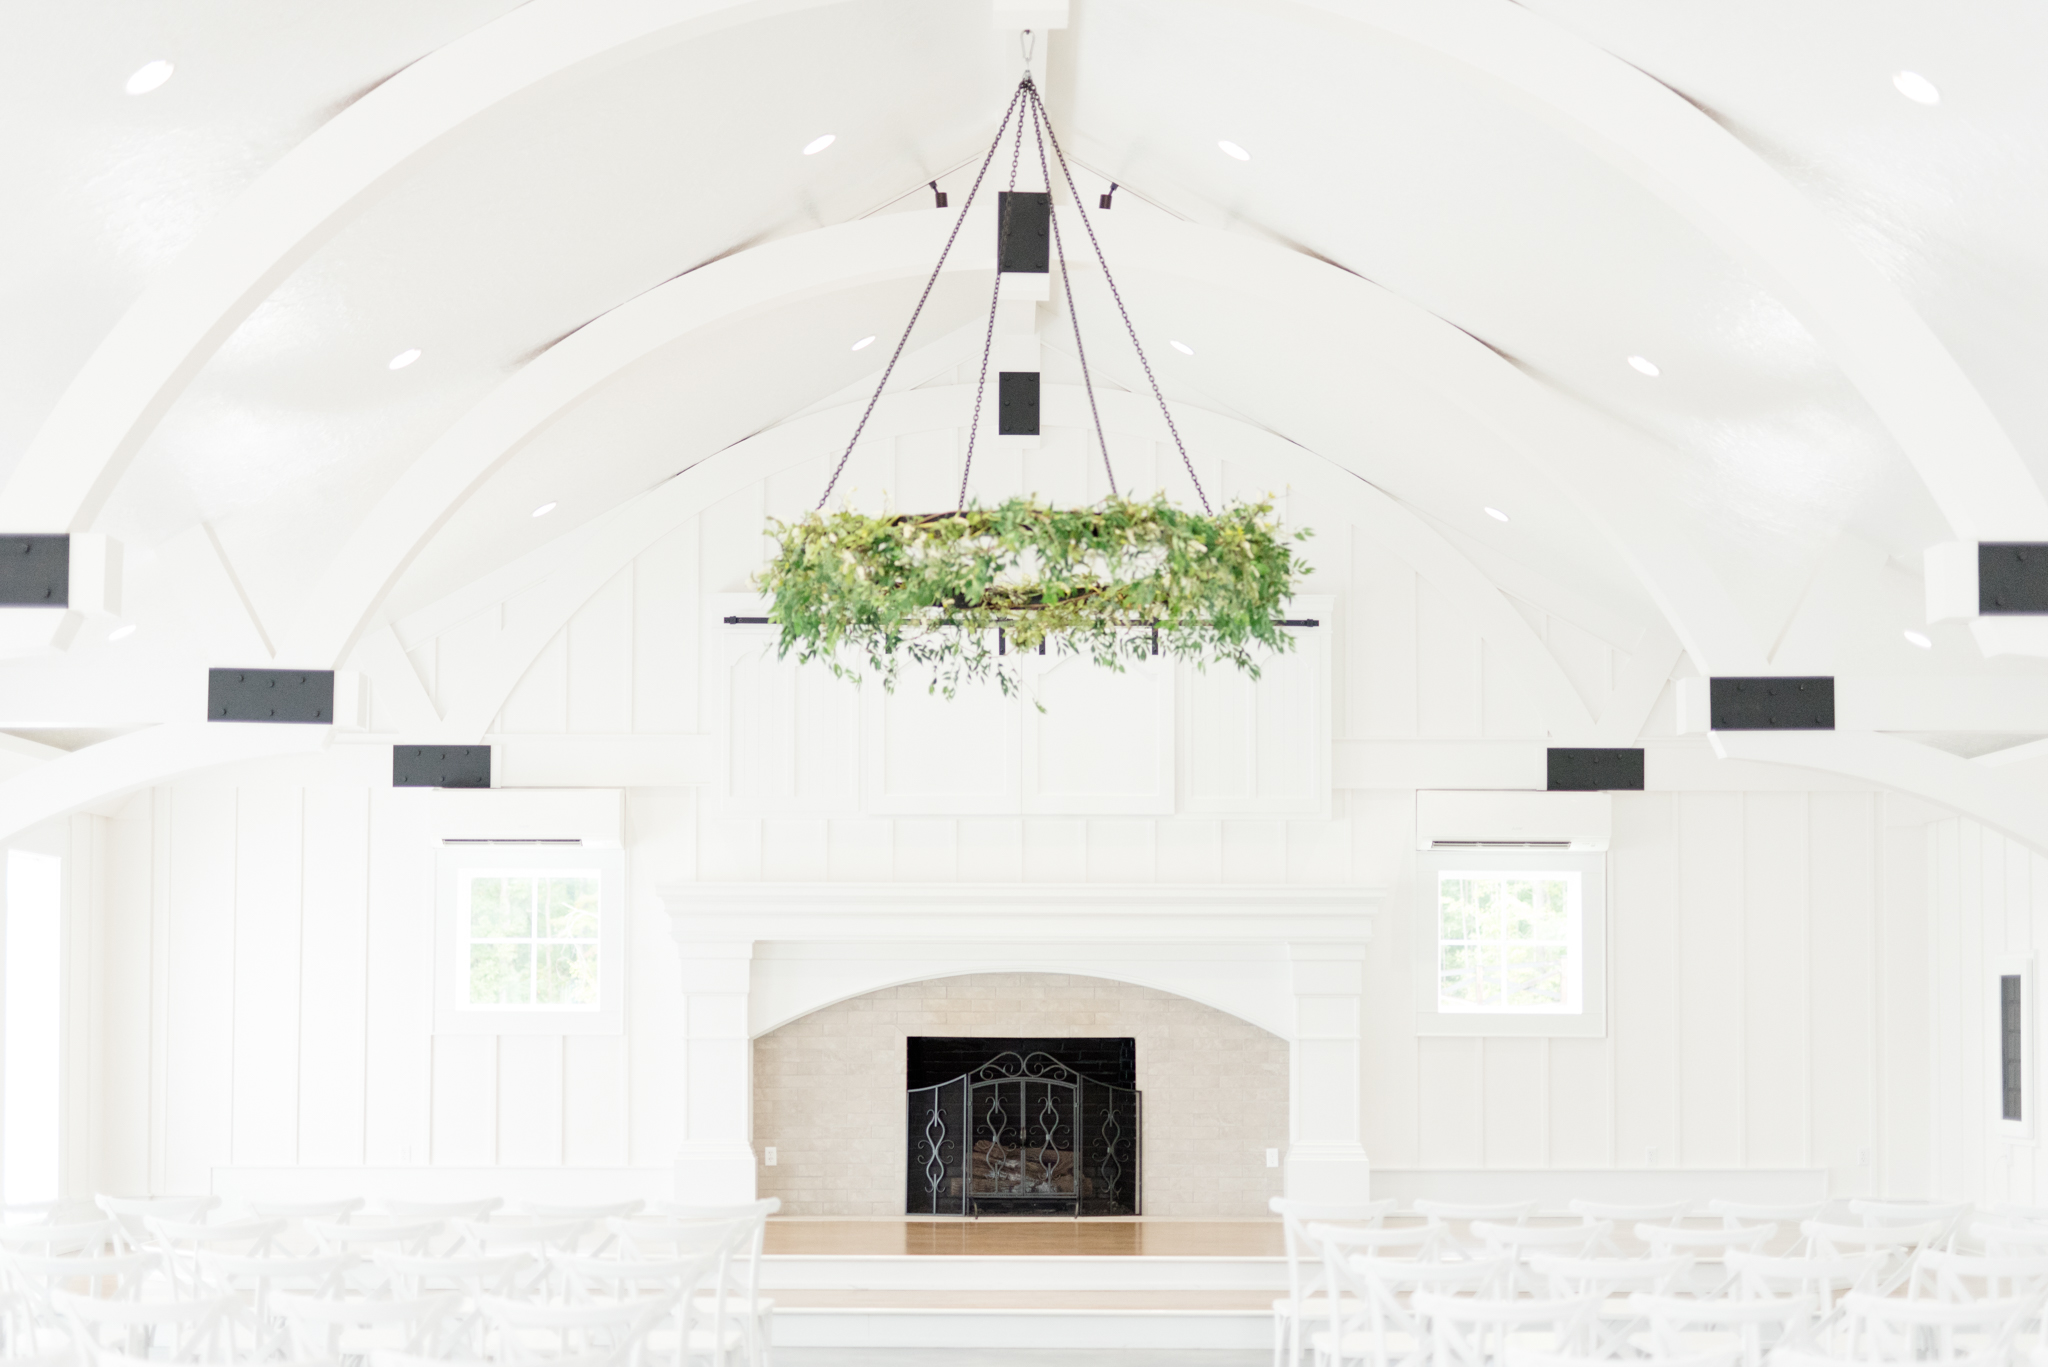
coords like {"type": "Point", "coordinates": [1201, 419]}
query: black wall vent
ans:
{"type": "Point", "coordinates": [1773, 704]}
{"type": "Point", "coordinates": [35, 571]}
{"type": "Point", "coordinates": [440, 766]}
{"type": "Point", "coordinates": [288, 695]}
{"type": "Point", "coordinates": [2012, 576]}
{"type": "Point", "coordinates": [1588, 770]}
{"type": "Point", "coordinates": [2012, 1081]}
{"type": "Point", "coordinates": [1017, 412]}
{"type": "Point", "coordinates": [1024, 231]}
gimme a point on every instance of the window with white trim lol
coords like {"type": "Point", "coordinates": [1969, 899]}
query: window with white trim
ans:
{"type": "Point", "coordinates": [530, 940]}
{"type": "Point", "coordinates": [1510, 942]}
{"type": "Point", "coordinates": [530, 937]}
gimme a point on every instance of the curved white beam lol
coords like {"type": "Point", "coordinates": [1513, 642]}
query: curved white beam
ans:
{"type": "Point", "coordinates": [142, 759]}
{"type": "Point", "coordinates": [445, 475]}
{"type": "Point", "coordinates": [1694, 164]}
{"type": "Point", "coordinates": [197, 301]}
{"type": "Point", "coordinates": [1584, 455]}
{"type": "Point", "coordinates": [2000, 798]}
{"type": "Point", "coordinates": [621, 535]}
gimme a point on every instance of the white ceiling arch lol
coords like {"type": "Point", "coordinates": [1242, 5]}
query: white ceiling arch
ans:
{"type": "Point", "coordinates": [1676, 150]}
{"type": "Point", "coordinates": [198, 300]}
{"type": "Point", "coordinates": [612, 542]}
{"type": "Point", "coordinates": [1562, 442]}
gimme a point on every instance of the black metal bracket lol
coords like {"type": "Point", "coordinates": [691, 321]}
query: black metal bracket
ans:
{"type": "Point", "coordinates": [938, 195]}
{"type": "Point", "coordinates": [1104, 202]}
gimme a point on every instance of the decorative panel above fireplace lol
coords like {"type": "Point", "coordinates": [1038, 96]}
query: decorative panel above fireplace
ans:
{"type": "Point", "coordinates": [1022, 1127]}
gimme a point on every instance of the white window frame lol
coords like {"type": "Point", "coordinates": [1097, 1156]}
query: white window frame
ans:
{"type": "Point", "coordinates": [1590, 1021]}
{"type": "Point", "coordinates": [2019, 966]}
{"type": "Point", "coordinates": [453, 1017]}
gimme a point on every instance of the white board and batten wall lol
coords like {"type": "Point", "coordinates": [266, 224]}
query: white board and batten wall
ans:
{"type": "Point", "coordinates": [266, 930]}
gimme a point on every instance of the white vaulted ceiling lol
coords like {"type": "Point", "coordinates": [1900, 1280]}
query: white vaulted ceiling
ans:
{"type": "Point", "coordinates": [596, 222]}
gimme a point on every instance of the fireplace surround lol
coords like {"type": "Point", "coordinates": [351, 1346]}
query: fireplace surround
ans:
{"type": "Point", "coordinates": [755, 956]}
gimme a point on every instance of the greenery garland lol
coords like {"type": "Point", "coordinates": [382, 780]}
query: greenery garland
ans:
{"type": "Point", "coordinates": [1113, 582]}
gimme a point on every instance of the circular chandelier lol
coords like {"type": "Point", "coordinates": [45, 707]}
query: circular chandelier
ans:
{"type": "Point", "coordinates": [957, 592]}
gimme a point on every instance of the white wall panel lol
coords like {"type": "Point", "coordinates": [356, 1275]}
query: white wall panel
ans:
{"type": "Point", "coordinates": [268, 880]}
{"type": "Point", "coordinates": [1644, 991]}
{"type": "Point", "coordinates": [1776, 1005]}
{"type": "Point", "coordinates": [600, 663]}
{"type": "Point", "coordinates": [1712, 1042]}
{"type": "Point", "coordinates": [334, 939]}
{"type": "Point", "coordinates": [530, 1119]}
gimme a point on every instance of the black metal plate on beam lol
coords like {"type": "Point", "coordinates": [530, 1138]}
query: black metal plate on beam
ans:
{"type": "Point", "coordinates": [1580, 769]}
{"type": "Point", "coordinates": [287, 695]}
{"type": "Point", "coordinates": [440, 766]}
{"type": "Point", "coordinates": [2012, 577]}
{"type": "Point", "coordinates": [1024, 231]}
{"type": "Point", "coordinates": [1772, 704]}
{"type": "Point", "coordinates": [35, 571]}
{"type": "Point", "coordinates": [1017, 403]}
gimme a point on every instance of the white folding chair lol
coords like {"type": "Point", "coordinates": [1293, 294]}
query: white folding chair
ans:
{"type": "Point", "coordinates": [295, 1214]}
{"type": "Point", "coordinates": [181, 1243]}
{"type": "Point", "coordinates": [1522, 1240]}
{"type": "Point", "coordinates": [1445, 1215]}
{"type": "Point", "coordinates": [1306, 1279]}
{"type": "Point", "coordinates": [49, 1241]}
{"type": "Point", "coordinates": [1372, 1319]}
{"type": "Point", "coordinates": [601, 1335]}
{"type": "Point", "coordinates": [1470, 1331]}
{"type": "Point", "coordinates": [354, 1326]}
{"type": "Point", "coordinates": [254, 1281]}
{"type": "Point", "coordinates": [1899, 1243]}
{"type": "Point", "coordinates": [416, 1236]}
{"type": "Point", "coordinates": [107, 1276]}
{"type": "Point", "coordinates": [1682, 1326]}
{"type": "Point", "coordinates": [1624, 1217]}
{"type": "Point", "coordinates": [1762, 1276]}
{"type": "Point", "coordinates": [1953, 1216]}
{"type": "Point", "coordinates": [130, 1212]}
{"type": "Point", "coordinates": [1891, 1329]}
{"type": "Point", "coordinates": [738, 1293]}
{"type": "Point", "coordinates": [694, 1326]}
{"type": "Point", "coordinates": [413, 1276]}
{"type": "Point", "coordinates": [118, 1333]}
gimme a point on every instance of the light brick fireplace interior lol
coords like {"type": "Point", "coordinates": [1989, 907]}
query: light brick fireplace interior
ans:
{"type": "Point", "coordinates": [829, 1088]}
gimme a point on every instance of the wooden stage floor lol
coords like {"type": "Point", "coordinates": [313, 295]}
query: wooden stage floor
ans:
{"type": "Point", "coordinates": [1015, 1238]}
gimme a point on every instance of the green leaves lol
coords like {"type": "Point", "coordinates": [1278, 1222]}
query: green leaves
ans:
{"type": "Point", "coordinates": [1097, 581]}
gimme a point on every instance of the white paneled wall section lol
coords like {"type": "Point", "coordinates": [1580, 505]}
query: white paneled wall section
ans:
{"type": "Point", "coordinates": [265, 934]}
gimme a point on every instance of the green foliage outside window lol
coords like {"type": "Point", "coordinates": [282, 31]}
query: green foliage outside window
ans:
{"type": "Point", "coordinates": [1505, 942]}
{"type": "Point", "coordinates": [530, 938]}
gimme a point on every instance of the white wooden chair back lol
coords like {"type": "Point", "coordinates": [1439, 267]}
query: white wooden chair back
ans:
{"type": "Point", "coordinates": [601, 1335]}
{"type": "Point", "coordinates": [1470, 1331]}
{"type": "Point", "coordinates": [354, 1326]}
{"type": "Point", "coordinates": [185, 1331]}
{"type": "Point", "coordinates": [1891, 1329]}
{"type": "Point", "coordinates": [1752, 1328]}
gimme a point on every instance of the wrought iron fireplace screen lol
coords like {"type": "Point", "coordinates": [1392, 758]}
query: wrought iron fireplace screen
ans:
{"type": "Point", "coordinates": [1023, 1134]}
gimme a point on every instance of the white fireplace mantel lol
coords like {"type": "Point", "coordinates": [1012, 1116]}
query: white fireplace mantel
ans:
{"type": "Point", "coordinates": [1288, 959]}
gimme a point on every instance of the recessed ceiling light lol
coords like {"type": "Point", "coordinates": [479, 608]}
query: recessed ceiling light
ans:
{"type": "Point", "coordinates": [404, 358]}
{"type": "Point", "coordinates": [863, 342]}
{"type": "Point", "coordinates": [149, 76]}
{"type": "Point", "coordinates": [544, 509]}
{"type": "Point", "coordinates": [121, 633]}
{"type": "Point", "coordinates": [1231, 149]}
{"type": "Point", "coordinates": [1496, 514]}
{"type": "Point", "coordinates": [817, 145]}
{"type": "Point", "coordinates": [1643, 365]}
{"type": "Point", "coordinates": [1183, 348]}
{"type": "Point", "coordinates": [1920, 639]}
{"type": "Point", "coordinates": [1916, 88]}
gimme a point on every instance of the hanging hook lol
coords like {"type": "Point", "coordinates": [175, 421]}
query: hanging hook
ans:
{"type": "Point", "coordinates": [1029, 42]}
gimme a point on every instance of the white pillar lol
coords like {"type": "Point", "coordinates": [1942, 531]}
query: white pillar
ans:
{"type": "Point", "coordinates": [715, 1164]}
{"type": "Point", "coordinates": [1325, 1160]}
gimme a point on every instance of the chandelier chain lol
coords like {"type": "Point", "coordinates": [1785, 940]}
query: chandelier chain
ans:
{"type": "Point", "coordinates": [995, 298]}
{"type": "Point", "coordinates": [922, 299]}
{"type": "Point", "coordinates": [1067, 286]}
{"type": "Point", "coordinates": [1039, 108]}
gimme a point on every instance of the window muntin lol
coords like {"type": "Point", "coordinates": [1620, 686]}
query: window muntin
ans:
{"type": "Point", "coordinates": [1509, 942]}
{"type": "Point", "coordinates": [529, 938]}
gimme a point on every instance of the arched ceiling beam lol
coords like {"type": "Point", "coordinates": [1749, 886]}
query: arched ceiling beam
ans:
{"type": "Point", "coordinates": [196, 302]}
{"type": "Point", "coordinates": [430, 490]}
{"type": "Point", "coordinates": [1588, 457]}
{"type": "Point", "coordinates": [1680, 153]}
{"type": "Point", "coordinates": [139, 760]}
{"type": "Point", "coordinates": [630, 529]}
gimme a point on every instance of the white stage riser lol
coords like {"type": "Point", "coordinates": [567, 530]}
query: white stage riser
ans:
{"type": "Point", "coordinates": [849, 1328]}
{"type": "Point", "coordinates": [938, 1273]}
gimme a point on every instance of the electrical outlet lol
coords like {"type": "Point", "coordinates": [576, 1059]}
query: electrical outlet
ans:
{"type": "Point", "coordinates": [1650, 1157]}
{"type": "Point", "coordinates": [1863, 1158]}
{"type": "Point", "coordinates": [768, 1156]}
{"type": "Point", "coordinates": [1272, 1158]}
